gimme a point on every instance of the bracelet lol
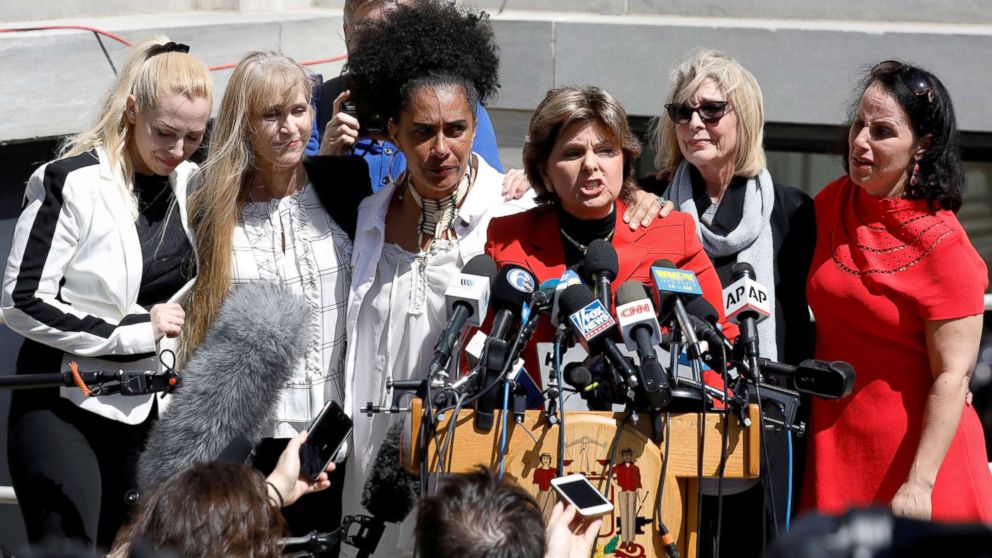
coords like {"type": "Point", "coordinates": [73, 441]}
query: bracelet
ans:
{"type": "Point", "coordinates": [282, 503]}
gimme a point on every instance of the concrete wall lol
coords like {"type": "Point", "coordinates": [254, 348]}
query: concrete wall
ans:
{"type": "Point", "coordinates": [807, 67]}
{"type": "Point", "coordinates": [53, 80]}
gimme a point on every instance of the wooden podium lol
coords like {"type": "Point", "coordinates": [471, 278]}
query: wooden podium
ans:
{"type": "Point", "coordinates": [637, 467]}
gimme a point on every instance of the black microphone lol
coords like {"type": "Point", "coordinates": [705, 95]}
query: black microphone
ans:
{"type": "Point", "coordinates": [639, 327]}
{"type": "Point", "coordinates": [820, 378]}
{"type": "Point", "coordinates": [512, 288]}
{"type": "Point", "coordinates": [467, 299]}
{"type": "Point", "coordinates": [390, 491]}
{"type": "Point", "coordinates": [671, 285]}
{"type": "Point", "coordinates": [601, 267]}
{"type": "Point", "coordinates": [231, 381]}
{"type": "Point", "coordinates": [593, 327]}
{"type": "Point", "coordinates": [579, 377]}
{"type": "Point", "coordinates": [704, 318]}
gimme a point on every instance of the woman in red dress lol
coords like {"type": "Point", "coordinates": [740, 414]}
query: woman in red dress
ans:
{"type": "Point", "coordinates": [896, 288]}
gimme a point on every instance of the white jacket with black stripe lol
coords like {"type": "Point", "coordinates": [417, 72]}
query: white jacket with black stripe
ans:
{"type": "Point", "coordinates": [74, 272]}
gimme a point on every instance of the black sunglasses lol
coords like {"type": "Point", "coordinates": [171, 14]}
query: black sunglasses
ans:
{"type": "Point", "coordinates": [709, 112]}
{"type": "Point", "coordinates": [914, 79]}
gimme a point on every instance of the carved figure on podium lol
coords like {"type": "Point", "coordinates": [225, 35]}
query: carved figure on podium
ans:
{"type": "Point", "coordinates": [628, 478]}
{"type": "Point", "coordinates": [542, 478]}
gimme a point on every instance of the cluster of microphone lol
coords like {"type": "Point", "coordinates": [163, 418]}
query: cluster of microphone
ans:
{"type": "Point", "coordinates": [669, 312]}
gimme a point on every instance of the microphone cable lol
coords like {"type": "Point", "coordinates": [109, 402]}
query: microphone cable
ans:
{"type": "Point", "coordinates": [666, 536]}
{"type": "Point", "coordinates": [559, 338]}
{"type": "Point", "coordinates": [788, 493]}
{"type": "Point", "coordinates": [724, 437]}
{"type": "Point", "coordinates": [502, 420]}
{"type": "Point", "coordinates": [697, 371]}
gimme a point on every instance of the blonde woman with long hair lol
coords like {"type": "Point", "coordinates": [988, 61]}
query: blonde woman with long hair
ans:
{"type": "Point", "coordinates": [100, 255]}
{"type": "Point", "coordinates": [264, 215]}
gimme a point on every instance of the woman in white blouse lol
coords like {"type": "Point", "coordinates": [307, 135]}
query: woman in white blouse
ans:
{"type": "Point", "coordinates": [260, 216]}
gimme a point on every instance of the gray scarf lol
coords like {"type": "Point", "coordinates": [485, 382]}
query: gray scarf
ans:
{"type": "Point", "coordinates": [751, 240]}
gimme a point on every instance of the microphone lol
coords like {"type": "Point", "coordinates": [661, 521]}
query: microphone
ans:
{"type": "Point", "coordinates": [467, 299]}
{"type": "Point", "coordinates": [639, 327]}
{"type": "Point", "coordinates": [231, 382]}
{"type": "Point", "coordinates": [601, 266]}
{"type": "Point", "coordinates": [542, 300]}
{"type": "Point", "coordinates": [704, 319]}
{"type": "Point", "coordinates": [579, 377]}
{"type": "Point", "coordinates": [390, 491]}
{"type": "Point", "coordinates": [569, 278]}
{"type": "Point", "coordinates": [512, 289]}
{"type": "Point", "coordinates": [671, 284]}
{"type": "Point", "coordinates": [746, 303]}
{"type": "Point", "coordinates": [593, 325]}
{"type": "Point", "coordinates": [821, 378]}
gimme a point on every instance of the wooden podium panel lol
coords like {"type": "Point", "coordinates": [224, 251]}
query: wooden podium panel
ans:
{"type": "Point", "coordinates": [532, 453]}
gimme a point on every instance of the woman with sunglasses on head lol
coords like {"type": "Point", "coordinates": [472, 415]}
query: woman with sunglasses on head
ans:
{"type": "Point", "coordinates": [896, 288]}
{"type": "Point", "coordinates": [100, 255]}
{"type": "Point", "coordinates": [710, 151]}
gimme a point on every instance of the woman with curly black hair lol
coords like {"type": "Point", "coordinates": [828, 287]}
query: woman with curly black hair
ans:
{"type": "Point", "coordinates": [896, 288]}
{"type": "Point", "coordinates": [423, 68]}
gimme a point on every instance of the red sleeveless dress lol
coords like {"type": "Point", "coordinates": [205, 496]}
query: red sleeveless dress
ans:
{"type": "Point", "coordinates": [882, 267]}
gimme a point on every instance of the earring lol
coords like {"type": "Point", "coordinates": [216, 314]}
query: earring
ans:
{"type": "Point", "coordinates": [915, 179]}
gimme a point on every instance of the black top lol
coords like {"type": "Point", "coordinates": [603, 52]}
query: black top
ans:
{"type": "Point", "coordinates": [165, 249]}
{"type": "Point", "coordinates": [793, 223]}
{"type": "Point", "coordinates": [583, 231]}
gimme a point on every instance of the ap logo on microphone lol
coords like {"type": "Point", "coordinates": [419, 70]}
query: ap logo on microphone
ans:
{"type": "Point", "coordinates": [592, 320]}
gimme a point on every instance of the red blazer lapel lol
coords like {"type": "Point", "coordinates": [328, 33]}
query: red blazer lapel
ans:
{"type": "Point", "coordinates": [547, 257]}
{"type": "Point", "coordinates": [630, 246]}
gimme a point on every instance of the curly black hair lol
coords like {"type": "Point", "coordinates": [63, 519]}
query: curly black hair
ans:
{"type": "Point", "coordinates": [931, 114]}
{"type": "Point", "coordinates": [426, 42]}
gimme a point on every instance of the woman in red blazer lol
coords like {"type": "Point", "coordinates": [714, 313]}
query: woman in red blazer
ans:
{"type": "Point", "coordinates": [579, 156]}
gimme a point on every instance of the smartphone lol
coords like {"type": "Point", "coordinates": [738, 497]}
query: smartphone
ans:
{"type": "Point", "coordinates": [578, 491]}
{"type": "Point", "coordinates": [325, 436]}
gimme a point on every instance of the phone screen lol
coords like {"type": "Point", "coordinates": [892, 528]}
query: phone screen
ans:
{"type": "Point", "coordinates": [326, 435]}
{"type": "Point", "coordinates": [582, 493]}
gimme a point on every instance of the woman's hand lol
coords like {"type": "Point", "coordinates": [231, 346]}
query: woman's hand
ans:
{"type": "Point", "coordinates": [568, 536]}
{"type": "Point", "coordinates": [167, 320]}
{"type": "Point", "coordinates": [645, 208]}
{"type": "Point", "coordinates": [515, 184]}
{"type": "Point", "coordinates": [912, 500]}
{"type": "Point", "coordinates": [341, 131]}
{"type": "Point", "coordinates": [286, 476]}
{"type": "Point", "coordinates": [952, 346]}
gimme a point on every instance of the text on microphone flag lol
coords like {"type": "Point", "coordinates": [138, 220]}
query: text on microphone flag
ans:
{"type": "Point", "coordinates": [679, 281]}
{"type": "Point", "coordinates": [592, 320]}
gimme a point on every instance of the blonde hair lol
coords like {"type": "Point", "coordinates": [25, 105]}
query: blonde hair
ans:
{"type": "Point", "coordinates": [742, 92]}
{"type": "Point", "coordinates": [261, 81]}
{"type": "Point", "coordinates": [560, 108]}
{"type": "Point", "coordinates": [149, 76]}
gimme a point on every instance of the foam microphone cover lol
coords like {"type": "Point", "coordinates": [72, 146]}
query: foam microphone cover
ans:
{"type": "Point", "coordinates": [601, 259]}
{"type": "Point", "coordinates": [391, 491]}
{"type": "Point", "coordinates": [630, 291]}
{"type": "Point", "coordinates": [512, 288]}
{"type": "Point", "coordinates": [574, 298]}
{"type": "Point", "coordinates": [481, 265]}
{"type": "Point", "coordinates": [231, 383]}
{"type": "Point", "coordinates": [741, 270]}
{"type": "Point", "coordinates": [701, 308]}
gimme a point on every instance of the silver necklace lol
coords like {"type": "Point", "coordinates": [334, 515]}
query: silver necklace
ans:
{"type": "Point", "coordinates": [582, 247]}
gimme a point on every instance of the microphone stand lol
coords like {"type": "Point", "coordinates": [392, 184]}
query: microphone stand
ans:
{"type": "Point", "coordinates": [99, 382]}
{"type": "Point", "coordinates": [558, 340]}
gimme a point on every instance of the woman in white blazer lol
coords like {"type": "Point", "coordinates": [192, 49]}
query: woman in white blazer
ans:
{"type": "Point", "coordinates": [100, 253]}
